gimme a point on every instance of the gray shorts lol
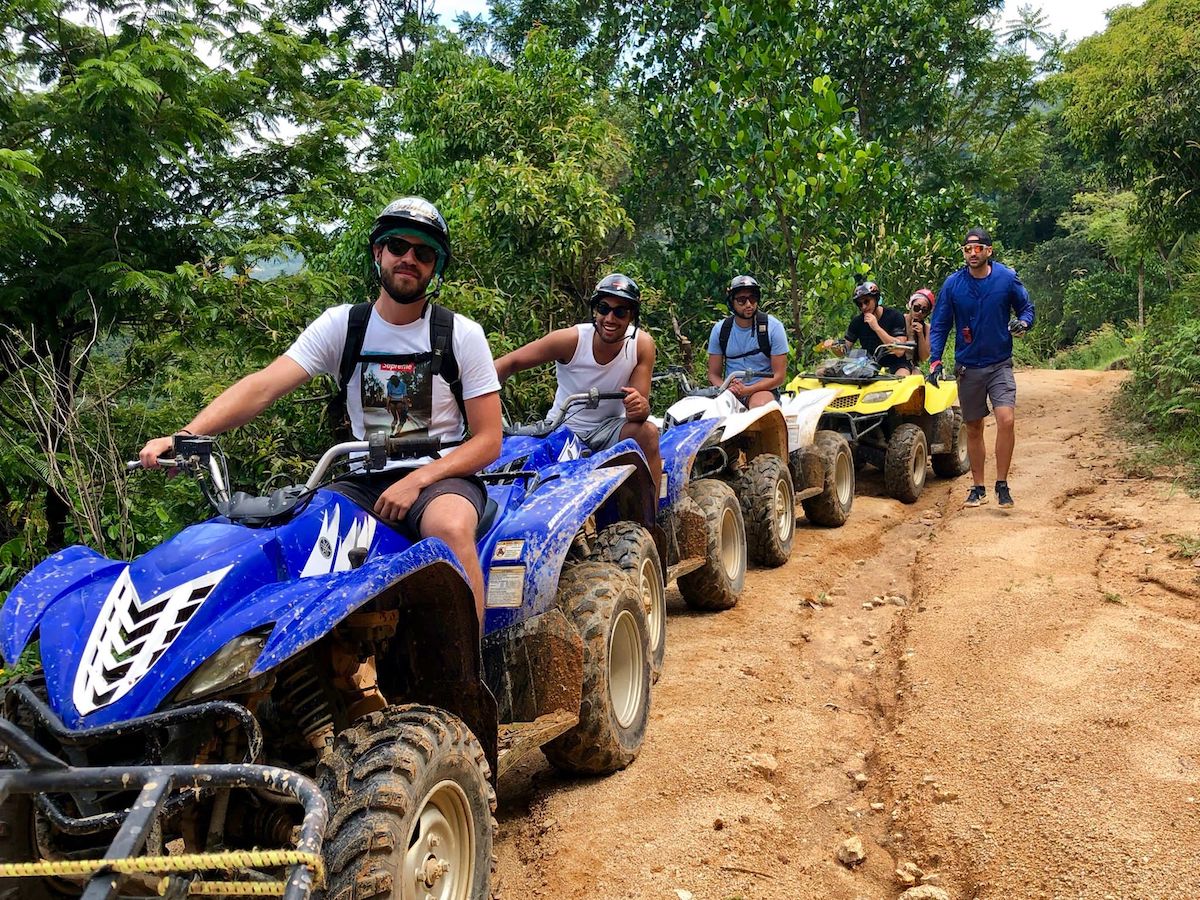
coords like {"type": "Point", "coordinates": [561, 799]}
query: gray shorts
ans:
{"type": "Point", "coordinates": [603, 435]}
{"type": "Point", "coordinates": [365, 489]}
{"type": "Point", "coordinates": [977, 386]}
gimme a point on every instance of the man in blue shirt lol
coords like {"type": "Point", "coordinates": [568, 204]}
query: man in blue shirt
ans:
{"type": "Point", "coordinates": [749, 341]}
{"type": "Point", "coordinates": [977, 301]}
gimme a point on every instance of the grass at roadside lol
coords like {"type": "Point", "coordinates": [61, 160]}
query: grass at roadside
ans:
{"type": "Point", "coordinates": [1105, 348]}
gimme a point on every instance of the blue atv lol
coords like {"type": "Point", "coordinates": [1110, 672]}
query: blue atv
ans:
{"type": "Point", "coordinates": [698, 538]}
{"type": "Point", "coordinates": [298, 631]}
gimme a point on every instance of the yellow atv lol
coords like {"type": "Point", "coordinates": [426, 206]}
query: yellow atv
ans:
{"type": "Point", "coordinates": [897, 423]}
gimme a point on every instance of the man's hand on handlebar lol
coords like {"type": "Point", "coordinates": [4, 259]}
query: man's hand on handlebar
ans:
{"type": "Point", "coordinates": [154, 449]}
{"type": "Point", "coordinates": [637, 407]}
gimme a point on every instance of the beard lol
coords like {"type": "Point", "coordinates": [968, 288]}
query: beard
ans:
{"type": "Point", "coordinates": [404, 297]}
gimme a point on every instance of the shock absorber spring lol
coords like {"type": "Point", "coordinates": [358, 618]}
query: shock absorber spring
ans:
{"type": "Point", "coordinates": [300, 693]}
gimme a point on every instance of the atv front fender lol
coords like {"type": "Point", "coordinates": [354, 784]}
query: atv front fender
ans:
{"type": "Point", "coordinates": [314, 605]}
{"type": "Point", "coordinates": [940, 397]}
{"type": "Point", "coordinates": [546, 524]}
{"type": "Point", "coordinates": [54, 577]}
{"type": "Point", "coordinates": [678, 446]}
{"type": "Point", "coordinates": [758, 431]}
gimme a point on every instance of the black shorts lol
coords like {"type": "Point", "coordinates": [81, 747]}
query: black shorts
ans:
{"type": "Point", "coordinates": [364, 490]}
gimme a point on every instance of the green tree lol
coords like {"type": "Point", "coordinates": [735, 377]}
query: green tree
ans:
{"type": "Point", "coordinates": [136, 157]}
{"type": "Point", "coordinates": [1133, 101]}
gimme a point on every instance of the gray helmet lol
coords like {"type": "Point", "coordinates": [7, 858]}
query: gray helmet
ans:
{"type": "Point", "coordinates": [618, 285]}
{"type": "Point", "coordinates": [866, 289]}
{"type": "Point", "coordinates": [739, 283]}
{"type": "Point", "coordinates": [420, 215]}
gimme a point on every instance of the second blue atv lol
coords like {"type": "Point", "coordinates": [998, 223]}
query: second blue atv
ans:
{"type": "Point", "coordinates": [297, 630]}
{"type": "Point", "coordinates": [698, 538]}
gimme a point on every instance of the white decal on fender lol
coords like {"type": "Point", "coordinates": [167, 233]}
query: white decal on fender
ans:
{"type": "Point", "coordinates": [130, 635]}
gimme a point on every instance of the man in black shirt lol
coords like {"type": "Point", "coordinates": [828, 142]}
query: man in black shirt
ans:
{"type": "Point", "coordinates": [873, 327]}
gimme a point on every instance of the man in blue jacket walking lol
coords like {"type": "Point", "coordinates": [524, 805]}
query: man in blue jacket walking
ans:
{"type": "Point", "coordinates": [977, 301]}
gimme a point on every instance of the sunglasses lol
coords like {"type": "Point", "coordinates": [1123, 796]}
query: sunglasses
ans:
{"type": "Point", "coordinates": [919, 308]}
{"type": "Point", "coordinates": [861, 304]}
{"type": "Point", "coordinates": [621, 312]}
{"type": "Point", "coordinates": [398, 247]}
{"type": "Point", "coordinates": [750, 299]}
{"type": "Point", "coordinates": [974, 248]}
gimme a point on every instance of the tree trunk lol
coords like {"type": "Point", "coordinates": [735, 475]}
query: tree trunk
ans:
{"type": "Point", "coordinates": [1141, 293]}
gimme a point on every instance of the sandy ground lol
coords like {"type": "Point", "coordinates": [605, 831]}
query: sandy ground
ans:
{"type": "Point", "coordinates": [1026, 725]}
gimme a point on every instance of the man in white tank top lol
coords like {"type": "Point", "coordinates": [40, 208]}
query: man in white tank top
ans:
{"type": "Point", "coordinates": [609, 354]}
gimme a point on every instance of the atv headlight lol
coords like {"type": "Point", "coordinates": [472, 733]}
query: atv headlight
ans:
{"type": "Point", "coordinates": [876, 396]}
{"type": "Point", "coordinates": [229, 665]}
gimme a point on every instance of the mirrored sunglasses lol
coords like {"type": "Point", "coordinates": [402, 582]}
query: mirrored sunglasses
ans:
{"type": "Point", "coordinates": [398, 247]}
{"type": "Point", "coordinates": [621, 312]}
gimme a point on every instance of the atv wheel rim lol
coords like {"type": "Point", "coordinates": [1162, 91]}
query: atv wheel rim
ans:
{"type": "Point", "coordinates": [440, 861]}
{"type": "Point", "coordinates": [918, 466]}
{"type": "Point", "coordinates": [843, 478]}
{"type": "Point", "coordinates": [626, 664]}
{"type": "Point", "coordinates": [785, 510]}
{"type": "Point", "coordinates": [732, 549]}
{"type": "Point", "coordinates": [654, 600]}
{"type": "Point", "coordinates": [961, 456]}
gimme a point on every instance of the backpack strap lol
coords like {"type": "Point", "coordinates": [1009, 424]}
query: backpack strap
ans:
{"type": "Point", "coordinates": [723, 335]}
{"type": "Point", "coordinates": [356, 333]}
{"type": "Point", "coordinates": [762, 325]}
{"type": "Point", "coordinates": [441, 343]}
{"type": "Point", "coordinates": [762, 330]}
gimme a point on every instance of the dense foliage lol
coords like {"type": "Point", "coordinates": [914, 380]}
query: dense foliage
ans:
{"type": "Point", "coordinates": [183, 185]}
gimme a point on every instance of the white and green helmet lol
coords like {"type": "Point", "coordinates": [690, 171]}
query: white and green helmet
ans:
{"type": "Point", "coordinates": [414, 215]}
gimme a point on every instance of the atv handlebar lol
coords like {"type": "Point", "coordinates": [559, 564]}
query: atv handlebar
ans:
{"type": "Point", "coordinates": [592, 399]}
{"type": "Point", "coordinates": [194, 453]}
{"type": "Point", "coordinates": [379, 449]}
{"type": "Point", "coordinates": [678, 373]}
{"type": "Point", "coordinates": [884, 349]}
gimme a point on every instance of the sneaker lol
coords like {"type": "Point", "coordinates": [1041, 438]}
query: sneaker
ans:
{"type": "Point", "coordinates": [977, 496]}
{"type": "Point", "coordinates": [1003, 497]}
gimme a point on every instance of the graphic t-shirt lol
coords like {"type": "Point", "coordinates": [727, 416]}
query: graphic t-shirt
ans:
{"type": "Point", "coordinates": [391, 388]}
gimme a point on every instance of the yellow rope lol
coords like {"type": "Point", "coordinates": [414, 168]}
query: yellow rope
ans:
{"type": "Point", "coordinates": [230, 889]}
{"type": "Point", "coordinates": [186, 862]}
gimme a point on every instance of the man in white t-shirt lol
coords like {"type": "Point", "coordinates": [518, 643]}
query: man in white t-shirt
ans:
{"type": "Point", "coordinates": [610, 354]}
{"type": "Point", "coordinates": [440, 497]}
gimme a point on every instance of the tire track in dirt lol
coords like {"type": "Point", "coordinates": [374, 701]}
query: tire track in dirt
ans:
{"type": "Point", "coordinates": [1020, 735]}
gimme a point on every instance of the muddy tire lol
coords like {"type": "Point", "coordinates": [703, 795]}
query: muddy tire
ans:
{"type": "Point", "coordinates": [956, 461]}
{"type": "Point", "coordinates": [615, 706]}
{"type": "Point", "coordinates": [904, 467]}
{"type": "Point", "coordinates": [630, 546]}
{"type": "Point", "coordinates": [718, 583]}
{"type": "Point", "coordinates": [768, 509]}
{"type": "Point", "coordinates": [17, 846]}
{"type": "Point", "coordinates": [831, 508]}
{"type": "Point", "coordinates": [411, 809]}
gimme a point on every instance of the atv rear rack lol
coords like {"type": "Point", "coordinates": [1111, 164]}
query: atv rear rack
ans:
{"type": "Point", "coordinates": [38, 771]}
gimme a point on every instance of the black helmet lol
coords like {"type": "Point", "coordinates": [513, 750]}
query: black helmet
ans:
{"type": "Point", "coordinates": [620, 286]}
{"type": "Point", "coordinates": [867, 288]}
{"type": "Point", "coordinates": [741, 282]}
{"type": "Point", "coordinates": [417, 214]}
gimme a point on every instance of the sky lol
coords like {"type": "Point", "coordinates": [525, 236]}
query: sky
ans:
{"type": "Point", "coordinates": [1078, 18]}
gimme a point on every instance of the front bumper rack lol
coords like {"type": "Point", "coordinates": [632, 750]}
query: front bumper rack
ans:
{"type": "Point", "coordinates": [37, 771]}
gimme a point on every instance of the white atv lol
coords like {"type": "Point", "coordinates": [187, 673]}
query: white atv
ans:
{"type": "Point", "coordinates": [773, 456]}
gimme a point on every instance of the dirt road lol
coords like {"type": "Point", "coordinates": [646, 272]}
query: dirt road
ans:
{"type": "Point", "coordinates": [1027, 725]}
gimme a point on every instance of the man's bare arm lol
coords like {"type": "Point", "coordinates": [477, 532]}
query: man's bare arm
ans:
{"type": "Point", "coordinates": [236, 405]}
{"type": "Point", "coordinates": [557, 346]}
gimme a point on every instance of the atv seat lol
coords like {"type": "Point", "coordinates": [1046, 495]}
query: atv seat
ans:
{"type": "Point", "coordinates": [255, 512]}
